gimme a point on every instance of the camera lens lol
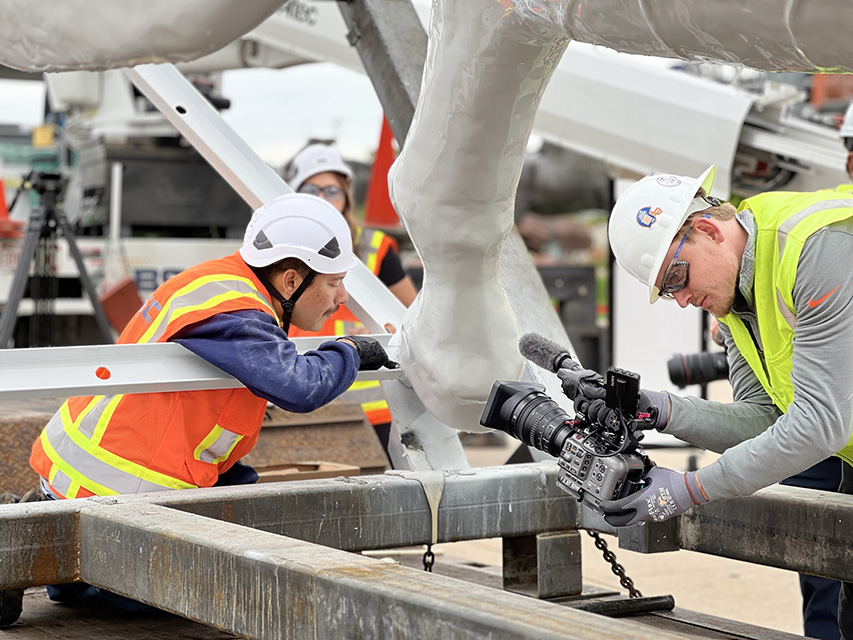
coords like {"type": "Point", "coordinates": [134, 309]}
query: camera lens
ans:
{"type": "Point", "coordinates": [697, 368]}
{"type": "Point", "coordinates": [537, 420]}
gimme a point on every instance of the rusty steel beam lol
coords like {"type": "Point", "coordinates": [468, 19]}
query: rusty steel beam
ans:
{"type": "Point", "coordinates": [802, 530]}
{"type": "Point", "coordinates": [260, 585]}
{"type": "Point", "coordinates": [38, 543]}
{"type": "Point", "coordinates": [390, 510]}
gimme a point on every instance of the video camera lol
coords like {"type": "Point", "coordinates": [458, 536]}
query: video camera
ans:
{"type": "Point", "coordinates": [599, 461]}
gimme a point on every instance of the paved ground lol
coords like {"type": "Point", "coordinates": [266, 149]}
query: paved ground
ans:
{"type": "Point", "coordinates": [46, 620]}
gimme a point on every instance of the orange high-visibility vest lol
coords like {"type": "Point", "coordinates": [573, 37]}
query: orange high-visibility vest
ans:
{"type": "Point", "coordinates": [136, 443]}
{"type": "Point", "coordinates": [371, 246]}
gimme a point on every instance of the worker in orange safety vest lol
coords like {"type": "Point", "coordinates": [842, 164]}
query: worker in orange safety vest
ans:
{"type": "Point", "coordinates": [235, 313]}
{"type": "Point", "coordinates": [231, 312]}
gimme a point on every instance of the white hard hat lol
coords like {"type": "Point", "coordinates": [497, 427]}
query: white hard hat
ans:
{"type": "Point", "coordinates": [314, 159]}
{"type": "Point", "coordinates": [846, 130]}
{"type": "Point", "coordinates": [647, 217]}
{"type": "Point", "coordinates": [299, 226]}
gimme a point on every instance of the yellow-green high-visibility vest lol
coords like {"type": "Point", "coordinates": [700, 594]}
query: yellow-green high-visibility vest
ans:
{"type": "Point", "coordinates": [784, 221]}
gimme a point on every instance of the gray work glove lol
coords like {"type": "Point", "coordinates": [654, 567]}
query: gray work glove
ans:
{"type": "Point", "coordinates": [655, 403]}
{"type": "Point", "coordinates": [370, 352]}
{"type": "Point", "coordinates": [668, 494]}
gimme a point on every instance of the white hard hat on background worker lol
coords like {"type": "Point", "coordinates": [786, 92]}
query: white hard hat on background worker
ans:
{"type": "Point", "coordinates": [314, 159]}
{"type": "Point", "coordinates": [647, 217]}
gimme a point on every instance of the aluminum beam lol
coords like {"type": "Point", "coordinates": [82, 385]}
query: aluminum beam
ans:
{"type": "Point", "coordinates": [203, 127]}
{"type": "Point", "coordinates": [260, 585]}
{"type": "Point", "coordinates": [128, 368]}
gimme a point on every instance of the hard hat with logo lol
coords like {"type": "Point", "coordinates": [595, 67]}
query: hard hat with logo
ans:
{"type": "Point", "coordinates": [647, 217]}
{"type": "Point", "coordinates": [846, 130]}
{"type": "Point", "coordinates": [299, 226]}
{"type": "Point", "coordinates": [314, 159]}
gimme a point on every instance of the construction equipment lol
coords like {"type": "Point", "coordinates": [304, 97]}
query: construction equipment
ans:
{"type": "Point", "coordinates": [45, 222]}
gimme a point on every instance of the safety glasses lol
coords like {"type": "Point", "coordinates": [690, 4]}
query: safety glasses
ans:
{"type": "Point", "coordinates": [675, 276]}
{"type": "Point", "coordinates": [331, 192]}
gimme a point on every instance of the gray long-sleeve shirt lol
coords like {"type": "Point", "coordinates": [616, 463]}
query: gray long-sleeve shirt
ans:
{"type": "Point", "coordinates": [759, 444]}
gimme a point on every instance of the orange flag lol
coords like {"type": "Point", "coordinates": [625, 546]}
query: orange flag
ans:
{"type": "Point", "coordinates": [378, 211]}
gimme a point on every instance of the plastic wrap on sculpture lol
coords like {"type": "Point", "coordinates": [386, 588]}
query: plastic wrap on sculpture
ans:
{"type": "Point", "coordinates": [795, 35]}
{"type": "Point", "coordinates": [454, 186]}
{"type": "Point", "coordinates": [65, 35]}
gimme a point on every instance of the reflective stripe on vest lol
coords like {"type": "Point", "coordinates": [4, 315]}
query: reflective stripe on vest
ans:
{"type": "Point", "coordinates": [217, 446]}
{"type": "Point", "coordinates": [369, 394]}
{"type": "Point", "coordinates": [204, 293]}
{"type": "Point", "coordinates": [77, 461]}
{"type": "Point", "coordinates": [784, 221]}
{"type": "Point", "coordinates": [372, 246]}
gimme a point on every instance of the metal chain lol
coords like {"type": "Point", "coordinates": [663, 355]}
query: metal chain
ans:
{"type": "Point", "coordinates": [429, 559]}
{"type": "Point", "coordinates": [615, 567]}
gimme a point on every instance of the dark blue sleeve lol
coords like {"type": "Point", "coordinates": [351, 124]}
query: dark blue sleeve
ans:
{"type": "Point", "coordinates": [252, 347]}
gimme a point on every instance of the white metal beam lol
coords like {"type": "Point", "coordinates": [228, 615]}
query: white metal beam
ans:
{"type": "Point", "coordinates": [125, 368]}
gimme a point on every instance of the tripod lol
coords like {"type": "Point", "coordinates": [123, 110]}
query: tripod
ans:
{"type": "Point", "coordinates": [43, 224]}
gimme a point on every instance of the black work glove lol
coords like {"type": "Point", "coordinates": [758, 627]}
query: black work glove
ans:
{"type": "Point", "coordinates": [371, 353]}
{"type": "Point", "coordinates": [582, 383]}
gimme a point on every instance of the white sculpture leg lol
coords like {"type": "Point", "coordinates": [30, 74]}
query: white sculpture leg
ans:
{"type": "Point", "coordinates": [454, 186]}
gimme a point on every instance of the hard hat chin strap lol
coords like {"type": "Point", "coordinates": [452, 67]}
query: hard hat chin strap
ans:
{"type": "Point", "coordinates": [287, 305]}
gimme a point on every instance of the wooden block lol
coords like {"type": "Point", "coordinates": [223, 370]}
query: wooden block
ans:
{"type": "Point", "coordinates": [337, 432]}
{"type": "Point", "coordinates": [305, 471]}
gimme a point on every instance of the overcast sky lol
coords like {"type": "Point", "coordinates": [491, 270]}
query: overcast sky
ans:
{"type": "Point", "coordinates": [21, 102]}
{"type": "Point", "coordinates": [275, 111]}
